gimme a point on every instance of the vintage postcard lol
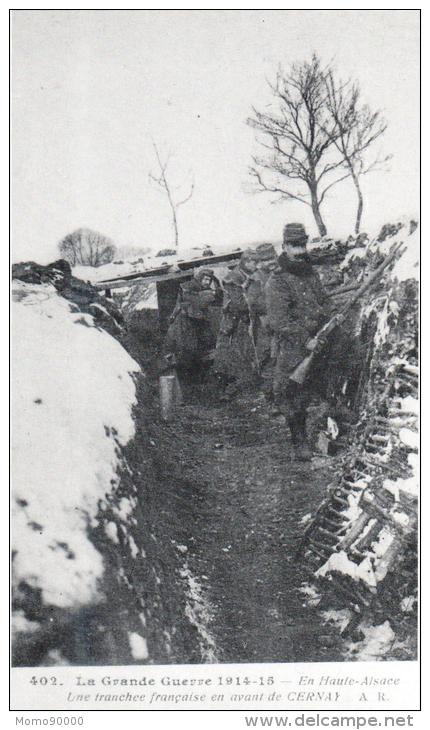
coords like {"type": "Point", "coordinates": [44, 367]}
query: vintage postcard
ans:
{"type": "Point", "coordinates": [215, 341]}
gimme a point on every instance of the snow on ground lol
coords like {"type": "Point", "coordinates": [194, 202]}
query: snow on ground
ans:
{"type": "Point", "coordinates": [311, 595]}
{"type": "Point", "coordinates": [95, 274]}
{"type": "Point", "coordinates": [355, 253]}
{"type": "Point", "coordinates": [149, 301]}
{"type": "Point", "coordinates": [20, 624]}
{"type": "Point", "coordinates": [72, 401]}
{"type": "Point", "coordinates": [407, 265]}
{"type": "Point", "coordinates": [138, 646]}
{"type": "Point", "coordinates": [199, 613]}
{"type": "Point", "coordinates": [340, 618]}
{"type": "Point", "coordinates": [136, 297]}
{"type": "Point", "coordinates": [306, 519]}
{"type": "Point", "coordinates": [339, 562]}
{"type": "Point", "coordinates": [377, 641]}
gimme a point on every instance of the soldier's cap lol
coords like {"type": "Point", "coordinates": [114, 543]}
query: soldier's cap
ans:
{"type": "Point", "coordinates": [249, 255]}
{"type": "Point", "coordinates": [266, 251]}
{"type": "Point", "coordinates": [295, 234]}
{"type": "Point", "coordinates": [200, 273]}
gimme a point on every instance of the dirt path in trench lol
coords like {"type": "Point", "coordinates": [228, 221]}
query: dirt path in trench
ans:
{"type": "Point", "coordinates": [248, 524]}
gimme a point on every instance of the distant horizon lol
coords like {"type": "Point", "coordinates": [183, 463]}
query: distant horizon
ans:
{"type": "Point", "coordinates": [121, 250]}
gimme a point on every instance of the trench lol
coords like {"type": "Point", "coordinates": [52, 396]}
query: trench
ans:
{"type": "Point", "coordinates": [249, 503]}
{"type": "Point", "coordinates": [201, 563]}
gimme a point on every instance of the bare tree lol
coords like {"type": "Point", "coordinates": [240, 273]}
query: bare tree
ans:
{"type": "Point", "coordinates": [87, 248]}
{"type": "Point", "coordinates": [303, 164]}
{"type": "Point", "coordinates": [162, 181]}
{"type": "Point", "coordinates": [358, 127]}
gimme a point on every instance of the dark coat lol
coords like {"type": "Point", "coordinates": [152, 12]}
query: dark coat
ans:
{"type": "Point", "coordinates": [255, 294]}
{"type": "Point", "coordinates": [235, 356]}
{"type": "Point", "coordinates": [256, 299]}
{"type": "Point", "coordinates": [297, 306]}
{"type": "Point", "coordinates": [190, 335]}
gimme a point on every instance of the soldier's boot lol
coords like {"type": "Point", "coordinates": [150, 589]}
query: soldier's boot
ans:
{"type": "Point", "coordinates": [301, 449]}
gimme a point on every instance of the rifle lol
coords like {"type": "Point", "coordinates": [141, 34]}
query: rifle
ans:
{"type": "Point", "coordinates": [301, 372]}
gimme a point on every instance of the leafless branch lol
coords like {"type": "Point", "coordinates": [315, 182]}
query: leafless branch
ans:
{"type": "Point", "coordinates": [264, 187]}
{"type": "Point", "coordinates": [358, 128]}
{"type": "Point", "coordinates": [332, 184]}
{"type": "Point", "coordinates": [302, 135]}
{"type": "Point", "coordinates": [187, 198]}
{"type": "Point", "coordinates": [164, 184]}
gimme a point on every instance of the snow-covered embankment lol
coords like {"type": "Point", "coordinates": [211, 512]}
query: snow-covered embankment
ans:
{"type": "Point", "coordinates": [363, 541]}
{"type": "Point", "coordinates": [96, 576]}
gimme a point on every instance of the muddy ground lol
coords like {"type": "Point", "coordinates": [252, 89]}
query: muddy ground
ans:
{"type": "Point", "coordinates": [242, 504]}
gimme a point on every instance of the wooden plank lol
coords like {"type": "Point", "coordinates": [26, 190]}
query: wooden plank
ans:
{"type": "Point", "coordinates": [119, 283]}
{"type": "Point", "coordinates": [209, 260]}
{"type": "Point", "coordinates": [143, 279]}
{"type": "Point", "coordinates": [159, 270]}
{"type": "Point", "coordinates": [162, 273]}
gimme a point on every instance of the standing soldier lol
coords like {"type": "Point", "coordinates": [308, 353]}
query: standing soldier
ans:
{"type": "Point", "coordinates": [190, 337]}
{"type": "Point", "coordinates": [297, 306]}
{"type": "Point", "coordinates": [267, 262]}
{"type": "Point", "coordinates": [235, 359]}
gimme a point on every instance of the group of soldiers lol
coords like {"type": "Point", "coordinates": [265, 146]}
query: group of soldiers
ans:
{"type": "Point", "coordinates": [272, 308]}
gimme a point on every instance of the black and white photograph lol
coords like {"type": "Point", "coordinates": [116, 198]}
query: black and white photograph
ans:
{"type": "Point", "coordinates": [215, 240]}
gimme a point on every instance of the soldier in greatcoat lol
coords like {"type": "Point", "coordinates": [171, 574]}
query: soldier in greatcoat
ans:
{"type": "Point", "coordinates": [297, 306]}
{"type": "Point", "coordinates": [267, 262]}
{"type": "Point", "coordinates": [190, 337]}
{"type": "Point", "coordinates": [236, 359]}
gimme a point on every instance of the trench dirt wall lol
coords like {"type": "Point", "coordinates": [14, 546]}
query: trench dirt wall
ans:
{"type": "Point", "coordinates": [361, 547]}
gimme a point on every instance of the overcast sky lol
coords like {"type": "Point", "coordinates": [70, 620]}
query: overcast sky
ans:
{"type": "Point", "coordinates": [92, 89]}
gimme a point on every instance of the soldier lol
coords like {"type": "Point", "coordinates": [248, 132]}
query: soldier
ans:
{"type": "Point", "coordinates": [297, 306]}
{"type": "Point", "coordinates": [267, 261]}
{"type": "Point", "coordinates": [190, 337]}
{"type": "Point", "coordinates": [235, 359]}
